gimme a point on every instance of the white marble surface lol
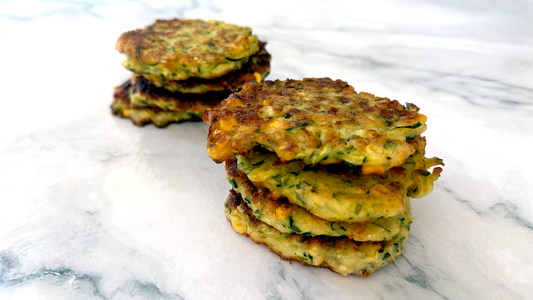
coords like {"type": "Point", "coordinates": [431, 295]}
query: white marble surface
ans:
{"type": "Point", "coordinates": [93, 207]}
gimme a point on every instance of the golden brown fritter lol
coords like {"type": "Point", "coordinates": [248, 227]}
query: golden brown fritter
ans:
{"type": "Point", "coordinates": [340, 254]}
{"type": "Point", "coordinates": [315, 120]}
{"type": "Point", "coordinates": [180, 49]}
{"type": "Point", "coordinates": [257, 68]}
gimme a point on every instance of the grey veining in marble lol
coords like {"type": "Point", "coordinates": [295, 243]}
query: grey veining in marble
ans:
{"type": "Point", "coordinates": [92, 207]}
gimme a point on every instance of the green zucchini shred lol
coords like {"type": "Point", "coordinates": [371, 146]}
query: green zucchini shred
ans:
{"type": "Point", "coordinates": [386, 256]}
{"type": "Point", "coordinates": [358, 208]}
{"type": "Point", "coordinates": [234, 59]}
{"type": "Point", "coordinates": [418, 124]}
{"type": "Point", "coordinates": [292, 226]}
{"type": "Point", "coordinates": [381, 226]}
{"type": "Point", "coordinates": [232, 182]}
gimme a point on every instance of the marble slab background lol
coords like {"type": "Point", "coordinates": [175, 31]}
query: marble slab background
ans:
{"type": "Point", "coordinates": [92, 207]}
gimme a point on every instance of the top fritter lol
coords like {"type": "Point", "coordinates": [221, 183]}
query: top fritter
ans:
{"type": "Point", "coordinates": [180, 49]}
{"type": "Point", "coordinates": [316, 120]}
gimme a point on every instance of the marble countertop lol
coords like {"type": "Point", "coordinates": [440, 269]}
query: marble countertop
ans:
{"type": "Point", "coordinates": [93, 207]}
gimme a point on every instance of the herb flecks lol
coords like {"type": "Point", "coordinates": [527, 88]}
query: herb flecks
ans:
{"type": "Point", "coordinates": [307, 257]}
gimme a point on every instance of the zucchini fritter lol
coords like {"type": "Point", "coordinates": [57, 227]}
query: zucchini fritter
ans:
{"type": "Point", "coordinates": [122, 107]}
{"type": "Point", "coordinates": [144, 94]}
{"type": "Point", "coordinates": [338, 192]}
{"type": "Point", "coordinates": [316, 120]}
{"type": "Point", "coordinates": [291, 218]}
{"type": "Point", "coordinates": [180, 49]}
{"type": "Point", "coordinates": [256, 68]}
{"type": "Point", "coordinates": [341, 255]}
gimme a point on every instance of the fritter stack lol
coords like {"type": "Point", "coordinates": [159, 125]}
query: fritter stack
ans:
{"type": "Point", "coordinates": [182, 67]}
{"type": "Point", "coordinates": [320, 173]}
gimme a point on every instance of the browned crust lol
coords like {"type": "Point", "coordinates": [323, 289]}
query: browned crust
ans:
{"type": "Point", "coordinates": [121, 95]}
{"type": "Point", "coordinates": [328, 105]}
{"type": "Point", "coordinates": [181, 101]}
{"type": "Point", "coordinates": [280, 93]}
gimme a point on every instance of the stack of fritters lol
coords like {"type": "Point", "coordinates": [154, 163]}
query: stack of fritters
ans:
{"type": "Point", "coordinates": [182, 67]}
{"type": "Point", "coordinates": [321, 174]}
